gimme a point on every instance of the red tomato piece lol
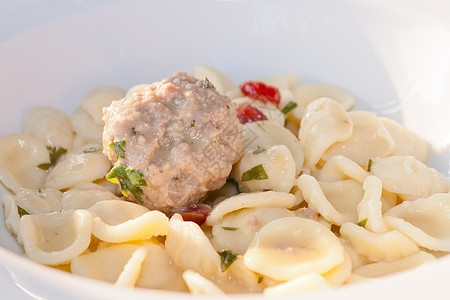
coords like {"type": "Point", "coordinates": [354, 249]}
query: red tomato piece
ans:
{"type": "Point", "coordinates": [196, 213]}
{"type": "Point", "coordinates": [247, 113]}
{"type": "Point", "coordinates": [260, 91]}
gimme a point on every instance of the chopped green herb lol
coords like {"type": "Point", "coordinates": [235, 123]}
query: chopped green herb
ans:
{"type": "Point", "coordinates": [258, 150]}
{"type": "Point", "coordinates": [227, 257]}
{"type": "Point", "coordinates": [134, 131]}
{"type": "Point", "coordinates": [255, 173]}
{"type": "Point", "coordinates": [55, 154]}
{"type": "Point", "coordinates": [235, 183]}
{"type": "Point", "coordinates": [290, 106]}
{"type": "Point", "coordinates": [207, 84]}
{"type": "Point", "coordinates": [91, 149]}
{"type": "Point", "coordinates": [260, 279]}
{"type": "Point", "coordinates": [41, 194]}
{"type": "Point", "coordinates": [21, 211]}
{"type": "Point", "coordinates": [129, 180]}
{"type": "Point", "coordinates": [362, 223]}
{"type": "Point", "coordinates": [369, 165]}
{"type": "Point", "coordinates": [192, 124]}
{"type": "Point", "coordinates": [44, 166]}
{"type": "Point", "coordinates": [229, 228]}
{"type": "Point", "coordinates": [117, 147]}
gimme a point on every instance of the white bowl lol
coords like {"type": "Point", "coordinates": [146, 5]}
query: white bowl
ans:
{"type": "Point", "coordinates": [394, 56]}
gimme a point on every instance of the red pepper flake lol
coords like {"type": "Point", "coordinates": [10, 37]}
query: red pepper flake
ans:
{"type": "Point", "coordinates": [196, 213]}
{"type": "Point", "coordinates": [247, 113]}
{"type": "Point", "coordinates": [260, 91]}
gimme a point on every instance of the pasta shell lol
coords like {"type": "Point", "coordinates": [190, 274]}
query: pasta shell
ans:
{"type": "Point", "coordinates": [313, 195]}
{"type": "Point", "coordinates": [79, 199]}
{"type": "Point", "coordinates": [425, 220]}
{"type": "Point", "coordinates": [282, 82]}
{"type": "Point", "coordinates": [278, 165]}
{"type": "Point", "coordinates": [117, 221]}
{"type": "Point", "coordinates": [384, 268]}
{"type": "Point", "coordinates": [20, 155]}
{"type": "Point", "coordinates": [49, 124]}
{"type": "Point", "coordinates": [408, 177]}
{"type": "Point", "coordinates": [249, 200]}
{"type": "Point", "coordinates": [236, 230]}
{"type": "Point", "coordinates": [407, 143]}
{"type": "Point", "coordinates": [136, 89]}
{"type": "Point", "coordinates": [306, 283]}
{"type": "Point", "coordinates": [339, 168]}
{"type": "Point", "coordinates": [11, 216]}
{"type": "Point", "coordinates": [378, 247]}
{"type": "Point", "coordinates": [221, 82]}
{"type": "Point", "coordinates": [307, 93]}
{"type": "Point", "coordinates": [199, 285]}
{"type": "Point", "coordinates": [151, 276]}
{"type": "Point", "coordinates": [369, 208]}
{"type": "Point", "coordinates": [132, 269]}
{"type": "Point", "coordinates": [86, 128]}
{"type": "Point", "coordinates": [76, 169]}
{"type": "Point", "coordinates": [369, 139]}
{"type": "Point", "coordinates": [268, 109]}
{"type": "Point", "coordinates": [97, 265]}
{"type": "Point", "coordinates": [189, 248]}
{"type": "Point", "coordinates": [339, 274]}
{"type": "Point", "coordinates": [99, 97]}
{"type": "Point", "coordinates": [40, 201]}
{"type": "Point", "coordinates": [268, 133]}
{"type": "Point", "coordinates": [325, 123]}
{"type": "Point", "coordinates": [56, 238]}
{"type": "Point", "coordinates": [344, 196]}
{"type": "Point", "coordinates": [290, 247]}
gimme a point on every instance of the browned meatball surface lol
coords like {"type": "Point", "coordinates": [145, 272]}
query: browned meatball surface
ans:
{"type": "Point", "coordinates": [180, 134]}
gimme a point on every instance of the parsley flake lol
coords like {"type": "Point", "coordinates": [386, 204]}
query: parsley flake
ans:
{"type": "Point", "coordinates": [258, 150]}
{"type": "Point", "coordinates": [117, 147]}
{"type": "Point", "coordinates": [227, 257]}
{"type": "Point", "coordinates": [369, 165]}
{"type": "Point", "coordinates": [255, 173]}
{"type": "Point", "coordinates": [91, 149]}
{"type": "Point", "coordinates": [229, 228]}
{"type": "Point", "coordinates": [192, 124]}
{"type": "Point", "coordinates": [290, 106]}
{"type": "Point", "coordinates": [129, 180]}
{"type": "Point", "coordinates": [207, 84]}
{"type": "Point", "coordinates": [21, 211]}
{"type": "Point", "coordinates": [44, 166]}
{"type": "Point", "coordinates": [260, 279]}
{"type": "Point", "coordinates": [362, 223]}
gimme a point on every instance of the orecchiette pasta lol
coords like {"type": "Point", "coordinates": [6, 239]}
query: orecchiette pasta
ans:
{"type": "Point", "coordinates": [376, 246]}
{"type": "Point", "coordinates": [278, 164]}
{"type": "Point", "coordinates": [116, 221]}
{"type": "Point", "coordinates": [424, 220]}
{"type": "Point", "coordinates": [369, 139]}
{"type": "Point", "coordinates": [56, 238]}
{"type": "Point", "coordinates": [76, 169]}
{"type": "Point", "coordinates": [325, 123]}
{"type": "Point", "coordinates": [20, 156]}
{"type": "Point", "coordinates": [265, 134]}
{"type": "Point", "coordinates": [99, 97]}
{"type": "Point", "coordinates": [408, 177]}
{"type": "Point", "coordinates": [190, 249]}
{"type": "Point", "coordinates": [247, 200]}
{"type": "Point", "coordinates": [321, 196]}
{"type": "Point", "coordinates": [49, 124]}
{"type": "Point", "coordinates": [290, 247]}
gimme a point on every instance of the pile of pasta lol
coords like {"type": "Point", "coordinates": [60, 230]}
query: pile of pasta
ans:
{"type": "Point", "coordinates": [348, 197]}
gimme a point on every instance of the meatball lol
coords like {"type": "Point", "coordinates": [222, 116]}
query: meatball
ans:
{"type": "Point", "coordinates": [179, 135]}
